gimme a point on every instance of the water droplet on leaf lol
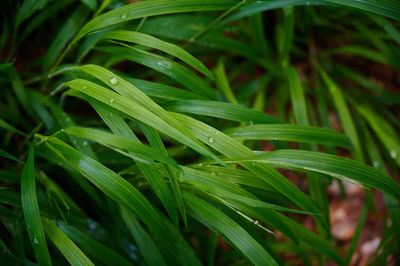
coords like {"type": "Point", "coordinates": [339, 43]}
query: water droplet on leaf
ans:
{"type": "Point", "coordinates": [112, 100]}
{"type": "Point", "coordinates": [164, 63]}
{"type": "Point", "coordinates": [35, 240]}
{"type": "Point", "coordinates": [393, 154]}
{"type": "Point", "coordinates": [211, 139]}
{"type": "Point", "coordinates": [114, 81]}
{"type": "Point", "coordinates": [124, 16]}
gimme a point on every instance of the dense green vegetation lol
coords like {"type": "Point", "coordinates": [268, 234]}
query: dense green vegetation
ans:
{"type": "Point", "coordinates": [136, 133]}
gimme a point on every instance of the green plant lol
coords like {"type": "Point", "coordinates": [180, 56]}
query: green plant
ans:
{"type": "Point", "coordinates": [127, 130]}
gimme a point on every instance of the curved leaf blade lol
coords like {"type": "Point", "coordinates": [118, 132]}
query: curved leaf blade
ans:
{"type": "Point", "coordinates": [288, 132]}
{"type": "Point", "coordinates": [331, 165]}
{"type": "Point", "coordinates": [30, 208]}
{"type": "Point", "coordinates": [210, 215]}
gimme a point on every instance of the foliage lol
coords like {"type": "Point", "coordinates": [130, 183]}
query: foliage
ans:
{"type": "Point", "coordinates": [134, 133]}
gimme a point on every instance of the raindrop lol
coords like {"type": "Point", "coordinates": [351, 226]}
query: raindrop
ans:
{"type": "Point", "coordinates": [62, 130]}
{"type": "Point", "coordinates": [375, 164]}
{"type": "Point", "coordinates": [393, 154]}
{"type": "Point", "coordinates": [84, 88]}
{"type": "Point", "coordinates": [112, 100]}
{"type": "Point", "coordinates": [85, 143]}
{"type": "Point", "coordinates": [251, 122]}
{"type": "Point", "coordinates": [124, 16]}
{"type": "Point", "coordinates": [200, 164]}
{"type": "Point", "coordinates": [35, 240]}
{"type": "Point", "coordinates": [211, 139]}
{"type": "Point", "coordinates": [212, 173]}
{"type": "Point", "coordinates": [217, 132]}
{"type": "Point", "coordinates": [164, 63]}
{"type": "Point", "coordinates": [255, 222]}
{"type": "Point", "coordinates": [114, 81]}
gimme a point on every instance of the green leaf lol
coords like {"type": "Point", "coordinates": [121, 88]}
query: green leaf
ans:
{"type": "Point", "coordinates": [150, 8]}
{"type": "Point", "coordinates": [31, 211]}
{"type": "Point", "coordinates": [223, 83]}
{"type": "Point", "coordinates": [232, 148]}
{"type": "Point", "coordinates": [124, 194]}
{"type": "Point", "coordinates": [146, 245]}
{"type": "Point", "coordinates": [140, 152]}
{"type": "Point", "coordinates": [297, 96]}
{"type": "Point", "coordinates": [119, 127]}
{"type": "Point", "coordinates": [289, 132]}
{"type": "Point", "coordinates": [388, 8]}
{"type": "Point", "coordinates": [9, 127]}
{"type": "Point", "coordinates": [92, 246]}
{"type": "Point", "coordinates": [168, 126]}
{"type": "Point", "coordinates": [164, 65]}
{"type": "Point", "coordinates": [344, 114]}
{"type": "Point", "coordinates": [6, 65]}
{"type": "Point", "coordinates": [384, 130]}
{"type": "Point", "coordinates": [66, 246]}
{"type": "Point", "coordinates": [9, 156]}
{"type": "Point", "coordinates": [162, 91]}
{"type": "Point", "coordinates": [153, 42]}
{"type": "Point", "coordinates": [332, 165]}
{"type": "Point", "coordinates": [221, 110]}
{"type": "Point", "coordinates": [71, 26]}
{"type": "Point", "coordinates": [211, 216]}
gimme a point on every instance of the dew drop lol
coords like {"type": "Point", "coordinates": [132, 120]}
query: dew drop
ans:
{"type": "Point", "coordinates": [211, 139]}
{"type": "Point", "coordinates": [112, 100]}
{"type": "Point", "coordinates": [124, 16]}
{"type": "Point", "coordinates": [62, 130]}
{"type": "Point", "coordinates": [114, 81]}
{"type": "Point", "coordinates": [217, 132]}
{"type": "Point", "coordinates": [212, 173]}
{"type": "Point", "coordinates": [255, 222]}
{"type": "Point", "coordinates": [85, 143]}
{"type": "Point", "coordinates": [251, 122]}
{"type": "Point", "coordinates": [393, 154]}
{"type": "Point", "coordinates": [200, 164]}
{"type": "Point", "coordinates": [164, 63]}
{"type": "Point", "coordinates": [375, 164]}
{"type": "Point", "coordinates": [84, 88]}
{"type": "Point", "coordinates": [35, 240]}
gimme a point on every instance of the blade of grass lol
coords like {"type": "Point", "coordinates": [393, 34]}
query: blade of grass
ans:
{"type": "Point", "coordinates": [9, 156]}
{"type": "Point", "coordinates": [124, 194]}
{"type": "Point", "coordinates": [119, 127]}
{"type": "Point", "coordinates": [66, 246]}
{"type": "Point", "coordinates": [209, 215]}
{"type": "Point", "coordinates": [153, 42]}
{"type": "Point", "coordinates": [146, 245]}
{"type": "Point", "coordinates": [125, 105]}
{"type": "Point", "coordinates": [31, 211]}
{"type": "Point", "coordinates": [223, 83]}
{"type": "Point", "coordinates": [332, 165]}
{"type": "Point", "coordinates": [140, 152]}
{"type": "Point", "coordinates": [289, 132]}
{"type": "Point", "coordinates": [221, 110]}
{"type": "Point", "coordinates": [103, 253]}
{"type": "Point", "coordinates": [164, 65]}
{"type": "Point", "coordinates": [150, 8]}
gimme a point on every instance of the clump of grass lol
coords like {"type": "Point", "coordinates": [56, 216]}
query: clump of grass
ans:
{"type": "Point", "coordinates": [135, 133]}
